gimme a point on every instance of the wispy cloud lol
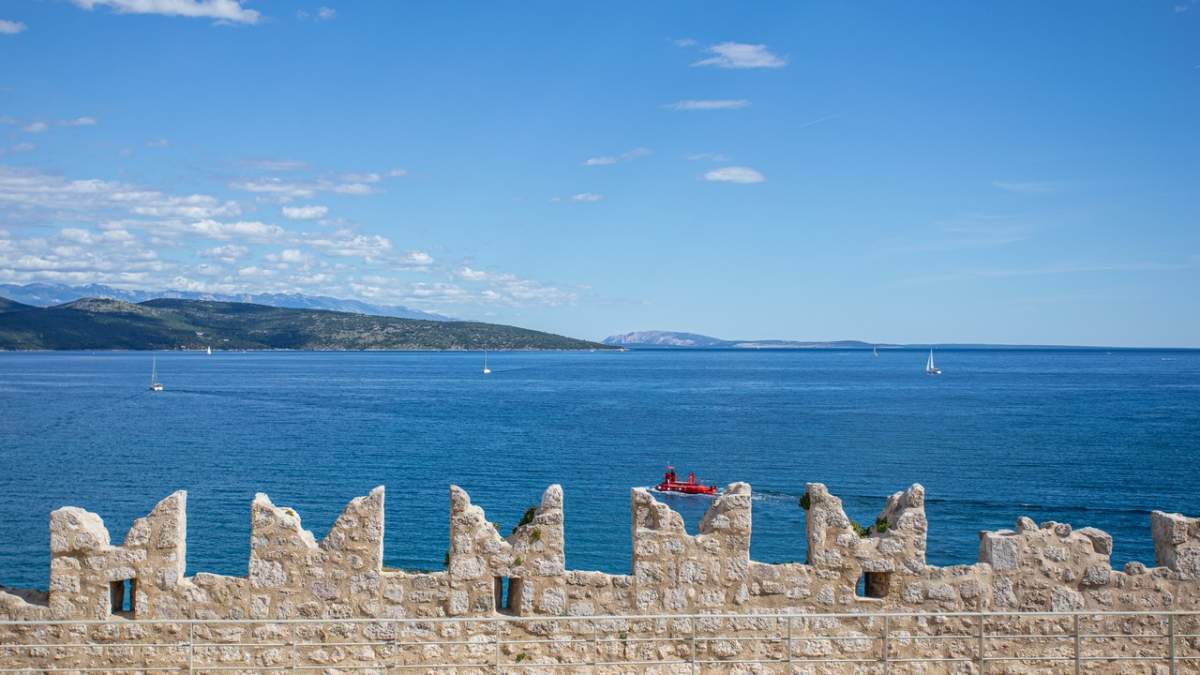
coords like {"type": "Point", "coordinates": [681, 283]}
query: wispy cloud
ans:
{"type": "Point", "coordinates": [276, 164]}
{"type": "Point", "coordinates": [227, 11]}
{"type": "Point", "coordinates": [157, 143]}
{"type": "Point", "coordinates": [11, 27]}
{"type": "Point", "coordinates": [78, 122]}
{"type": "Point", "coordinates": [1028, 187]}
{"type": "Point", "coordinates": [735, 174]}
{"type": "Point", "coordinates": [1052, 269]}
{"type": "Point", "coordinates": [965, 233]}
{"type": "Point", "coordinates": [311, 212]}
{"type": "Point", "coordinates": [740, 55]}
{"type": "Point", "coordinates": [321, 14]}
{"type": "Point", "coordinates": [285, 190]}
{"type": "Point", "coordinates": [586, 197]}
{"type": "Point", "coordinates": [707, 157]}
{"type": "Point", "coordinates": [684, 42]}
{"type": "Point", "coordinates": [35, 127]}
{"type": "Point", "coordinates": [709, 104]}
{"type": "Point", "coordinates": [615, 159]}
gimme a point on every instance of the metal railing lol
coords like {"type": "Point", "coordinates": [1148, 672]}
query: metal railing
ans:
{"type": "Point", "coordinates": [1069, 641]}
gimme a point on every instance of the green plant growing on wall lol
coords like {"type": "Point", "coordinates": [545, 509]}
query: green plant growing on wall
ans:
{"type": "Point", "coordinates": [521, 657]}
{"type": "Point", "coordinates": [805, 501]}
{"type": "Point", "coordinates": [526, 518]}
{"type": "Point", "coordinates": [881, 525]}
{"type": "Point", "coordinates": [518, 562]}
{"type": "Point", "coordinates": [859, 529]}
{"type": "Point", "coordinates": [535, 536]}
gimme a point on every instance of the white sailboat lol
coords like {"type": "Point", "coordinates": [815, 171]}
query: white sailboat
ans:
{"type": "Point", "coordinates": [931, 369]}
{"type": "Point", "coordinates": [210, 350]}
{"type": "Point", "coordinates": [875, 349]}
{"type": "Point", "coordinates": [155, 385]}
{"type": "Point", "coordinates": [486, 370]}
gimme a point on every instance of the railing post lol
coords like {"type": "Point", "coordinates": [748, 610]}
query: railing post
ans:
{"type": "Point", "coordinates": [982, 660]}
{"type": "Point", "coordinates": [694, 645]}
{"type": "Point", "coordinates": [883, 652]}
{"type": "Point", "coordinates": [496, 641]}
{"type": "Point", "coordinates": [1171, 641]}
{"type": "Point", "coordinates": [789, 643]}
{"type": "Point", "coordinates": [1075, 623]}
{"type": "Point", "coordinates": [395, 647]}
{"type": "Point", "coordinates": [191, 646]}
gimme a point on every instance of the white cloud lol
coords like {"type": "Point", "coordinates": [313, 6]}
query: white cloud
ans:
{"type": "Point", "coordinates": [254, 271]}
{"type": "Point", "coordinates": [398, 173]}
{"type": "Point", "coordinates": [157, 143]}
{"type": "Point", "coordinates": [26, 191]}
{"type": "Point", "coordinates": [276, 187]}
{"type": "Point", "coordinates": [740, 55]}
{"type": "Point", "coordinates": [326, 13]}
{"type": "Point", "coordinates": [614, 159]}
{"type": "Point", "coordinates": [709, 104]}
{"type": "Point", "coordinates": [685, 42]}
{"type": "Point", "coordinates": [586, 197]}
{"type": "Point", "coordinates": [78, 122]}
{"type": "Point", "coordinates": [707, 157]}
{"type": "Point", "coordinates": [470, 274]}
{"type": "Point", "coordinates": [250, 230]}
{"type": "Point", "coordinates": [35, 127]}
{"type": "Point", "coordinates": [418, 259]}
{"type": "Point", "coordinates": [735, 174]}
{"type": "Point", "coordinates": [158, 205]}
{"type": "Point", "coordinates": [23, 147]}
{"type": "Point", "coordinates": [348, 244]}
{"type": "Point", "coordinates": [228, 252]}
{"type": "Point", "coordinates": [284, 190]}
{"type": "Point", "coordinates": [311, 212]}
{"type": "Point", "coordinates": [293, 255]}
{"type": "Point", "coordinates": [230, 11]}
{"type": "Point", "coordinates": [11, 27]}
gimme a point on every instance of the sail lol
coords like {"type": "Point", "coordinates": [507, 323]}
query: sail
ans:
{"type": "Point", "coordinates": [929, 363]}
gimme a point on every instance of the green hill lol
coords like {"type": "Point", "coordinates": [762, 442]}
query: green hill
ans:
{"type": "Point", "coordinates": [92, 323]}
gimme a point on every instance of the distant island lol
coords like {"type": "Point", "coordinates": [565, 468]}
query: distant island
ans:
{"type": "Point", "coordinates": [665, 339]}
{"type": "Point", "coordinates": [168, 323]}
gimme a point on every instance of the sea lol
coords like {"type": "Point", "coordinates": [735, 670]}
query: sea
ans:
{"type": "Point", "coordinates": [1089, 437]}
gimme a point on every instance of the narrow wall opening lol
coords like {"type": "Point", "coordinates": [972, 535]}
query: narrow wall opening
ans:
{"type": "Point", "coordinates": [507, 594]}
{"type": "Point", "coordinates": [874, 585]}
{"type": "Point", "coordinates": [122, 596]}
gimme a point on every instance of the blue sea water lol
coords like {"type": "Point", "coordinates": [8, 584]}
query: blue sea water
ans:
{"type": "Point", "coordinates": [1086, 437]}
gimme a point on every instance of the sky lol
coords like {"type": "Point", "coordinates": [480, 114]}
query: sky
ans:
{"type": "Point", "coordinates": [1012, 172]}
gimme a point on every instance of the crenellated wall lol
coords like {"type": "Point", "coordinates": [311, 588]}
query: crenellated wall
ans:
{"type": "Point", "coordinates": [291, 575]}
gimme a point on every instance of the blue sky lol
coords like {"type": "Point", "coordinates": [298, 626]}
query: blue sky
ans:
{"type": "Point", "coordinates": [905, 172]}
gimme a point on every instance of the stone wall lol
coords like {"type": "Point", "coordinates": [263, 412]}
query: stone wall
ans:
{"type": "Point", "coordinates": [290, 575]}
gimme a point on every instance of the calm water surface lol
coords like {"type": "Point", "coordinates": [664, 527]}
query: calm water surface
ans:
{"type": "Point", "coordinates": [1087, 437]}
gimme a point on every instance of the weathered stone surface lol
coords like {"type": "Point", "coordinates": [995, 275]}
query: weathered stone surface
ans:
{"type": "Point", "coordinates": [290, 575]}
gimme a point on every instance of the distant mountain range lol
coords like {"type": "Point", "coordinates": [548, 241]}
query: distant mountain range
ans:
{"type": "Point", "coordinates": [665, 339]}
{"type": "Point", "coordinates": [169, 323]}
{"type": "Point", "coordinates": [47, 295]}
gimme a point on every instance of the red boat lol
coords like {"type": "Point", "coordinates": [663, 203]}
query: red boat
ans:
{"type": "Point", "coordinates": [691, 487]}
